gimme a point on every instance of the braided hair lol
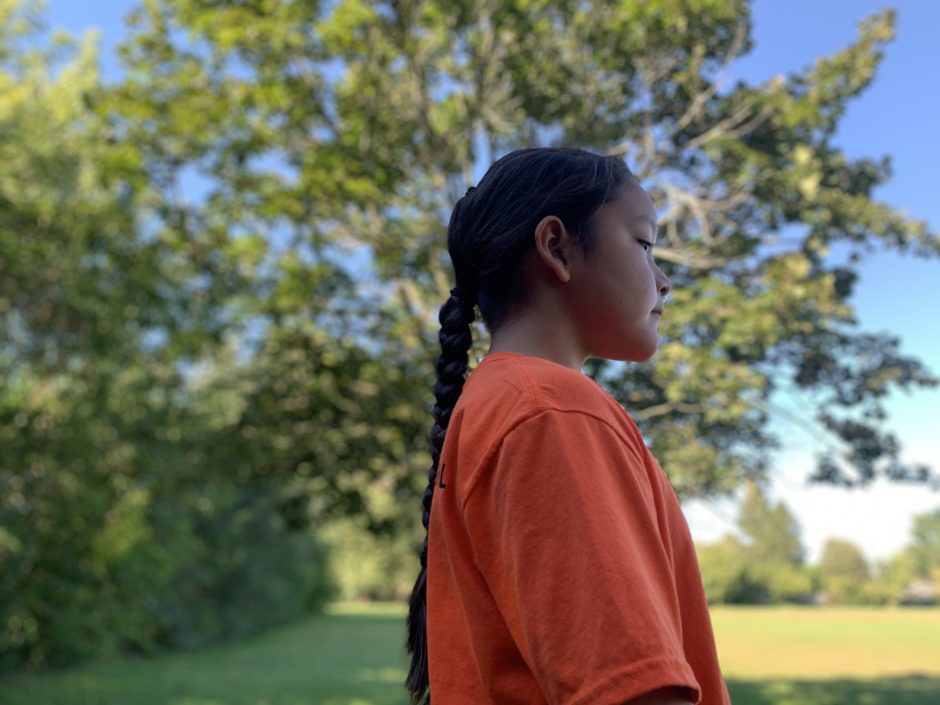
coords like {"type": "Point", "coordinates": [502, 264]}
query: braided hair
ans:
{"type": "Point", "coordinates": [490, 230]}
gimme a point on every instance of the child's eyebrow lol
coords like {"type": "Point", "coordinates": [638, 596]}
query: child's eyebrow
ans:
{"type": "Point", "coordinates": [651, 223]}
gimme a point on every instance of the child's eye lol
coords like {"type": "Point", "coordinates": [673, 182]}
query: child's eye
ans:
{"type": "Point", "coordinates": [647, 245]}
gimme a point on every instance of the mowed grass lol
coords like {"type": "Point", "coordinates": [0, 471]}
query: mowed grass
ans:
{"type": "Point", "coordinates": [346, 657]}
{"type": "Point", "coordinates": [829, 656]}
{"type": "Point", "coordinates": [353, 655]}
{"type": "Point", "coordinates": [828, 642]}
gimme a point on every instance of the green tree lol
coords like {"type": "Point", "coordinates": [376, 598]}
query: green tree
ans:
{"type": "Point", "coordinates": [925, 544]}
{"type": "Point", "coordinates": [75, 293]}
{"type": "Point", "coordinates": [896, 575]}
{"type": "Point", "coordinates": [771, 530]}
{"type": "Point", "coordinates": [765, 564]}
{"type": "Point", "coordinates": [120, 529]}
{"type": "Point", "coordinates": [919, 562]}
{"type": "Point", "coordinates": [843, 572]}
{"type": "Point", "coordinates": [344, 132]}
{"type": "Point", "coordinates": [726, 572]}
{"type": "Point", "coordinates": [774, 550]}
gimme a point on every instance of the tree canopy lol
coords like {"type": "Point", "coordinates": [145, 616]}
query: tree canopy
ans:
{"type": "Point", "coordinates": [122, 527]}
{"type": "Point", "coordinates": [334, 139]}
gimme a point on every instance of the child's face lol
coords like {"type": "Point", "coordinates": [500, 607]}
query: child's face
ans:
{"type": "Point", "coordinates": [618, 289]}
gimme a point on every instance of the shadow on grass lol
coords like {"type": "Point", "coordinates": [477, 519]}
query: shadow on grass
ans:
{"type": "Point", "coordinates": [915, 689]}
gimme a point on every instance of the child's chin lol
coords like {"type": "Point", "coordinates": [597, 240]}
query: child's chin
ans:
{"type": "Point", "coordinates": [637, 356]}
{"type": "Point", "coordinates": [636, 352]}
{"type": "Point", "coordinates": [644, 353]}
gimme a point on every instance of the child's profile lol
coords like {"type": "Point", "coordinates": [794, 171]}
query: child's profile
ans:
{"type": "Point", "coordinates": [558, 568]}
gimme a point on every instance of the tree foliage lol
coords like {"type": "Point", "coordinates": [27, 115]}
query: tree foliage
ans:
{"type": "Point", "coordinates": [770, 529]}
{"type": "Point", "coordinates": [726, 574]}
{"type": "Point", "coordinates": [912, 576]}
{"type": "Point", "coordinates": [120, 526]}
{"type": "Point", "coordinates": [843, 571]}
{"type": "Point", "coordinates": [346, 131]}
{"type": "Point", "coordinates": [925, 543]}
{"type": "Point", "coordinates": [765, 564]}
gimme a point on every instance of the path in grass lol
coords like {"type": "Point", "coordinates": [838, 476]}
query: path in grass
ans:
{"type": "Point", "coordinates": [354, 656]}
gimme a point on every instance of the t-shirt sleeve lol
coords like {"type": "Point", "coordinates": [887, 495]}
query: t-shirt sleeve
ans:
{"type": "Point", "coordinates": [564, 529]}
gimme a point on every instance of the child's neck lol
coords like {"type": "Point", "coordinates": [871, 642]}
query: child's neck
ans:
{"type": "Point", "coordinates": [527, 335]}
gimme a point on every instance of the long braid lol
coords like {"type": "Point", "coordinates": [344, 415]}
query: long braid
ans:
{"type": "Point", "coordinates": [456, 316]}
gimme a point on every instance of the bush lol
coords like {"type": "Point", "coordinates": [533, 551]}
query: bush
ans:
{"type": "Point", "coordinates": [725, 573]}
{"type": "Point", "coordinates": [187, 569]}
{"type": "Point", "coordinates": [366, 566]}
{"type": "Point", "coordinates": [244, 572]}
{"type": "Point", "coordinates": [785, 582]}
{"type": "Point", "coordinates": [732, 575]}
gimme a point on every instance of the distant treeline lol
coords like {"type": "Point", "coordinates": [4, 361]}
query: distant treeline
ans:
{"type": "Point", "coordinates": [764, 563]}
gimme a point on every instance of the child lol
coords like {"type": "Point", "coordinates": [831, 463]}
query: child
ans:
{"type": "Point", "coordinates": [558, 568]}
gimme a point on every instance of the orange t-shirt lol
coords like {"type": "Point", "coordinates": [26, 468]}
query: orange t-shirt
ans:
{"type": "Point", "coordinates": [561, 570]}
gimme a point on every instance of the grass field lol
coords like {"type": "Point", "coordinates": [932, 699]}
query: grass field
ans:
{"type": "Point", "coordinates": [353, 656]}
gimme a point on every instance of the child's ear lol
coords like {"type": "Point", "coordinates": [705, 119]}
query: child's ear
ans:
{"type": "Point", "coordinates": [552, 242]}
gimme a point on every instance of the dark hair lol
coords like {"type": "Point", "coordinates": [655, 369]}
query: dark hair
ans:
{"type": "Point", "coordinates": [490, 230]}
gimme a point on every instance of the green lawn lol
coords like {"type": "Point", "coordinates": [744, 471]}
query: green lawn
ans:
{"type": "Point", "coordinates": [354, 656]}
{"type": "Point", "coordinates": [831, 656]}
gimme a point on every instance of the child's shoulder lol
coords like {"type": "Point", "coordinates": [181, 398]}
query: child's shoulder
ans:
{"type": "Point", "coordinates": [509, 395]}
{"type": "Point", "coordinates": [509, 384]}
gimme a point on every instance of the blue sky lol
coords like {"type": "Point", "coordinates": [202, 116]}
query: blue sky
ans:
{"type": "Point", "coordinates": [898, 115]}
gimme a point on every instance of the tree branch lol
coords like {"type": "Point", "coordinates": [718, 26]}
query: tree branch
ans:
{"type": "Point", "coordinates": [667, 408]}
{"type": "Point", "coordinates": [734, 126]}
{"type": "Point", "coordinates": [698, 102]}
{"type": "Point", "coordinates": [693, 261]}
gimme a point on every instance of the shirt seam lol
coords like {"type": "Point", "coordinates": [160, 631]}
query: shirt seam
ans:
{"type": "Point", "coordinates": [528, 417]}
{"type": "Point", "coordinates": [656, 673]}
